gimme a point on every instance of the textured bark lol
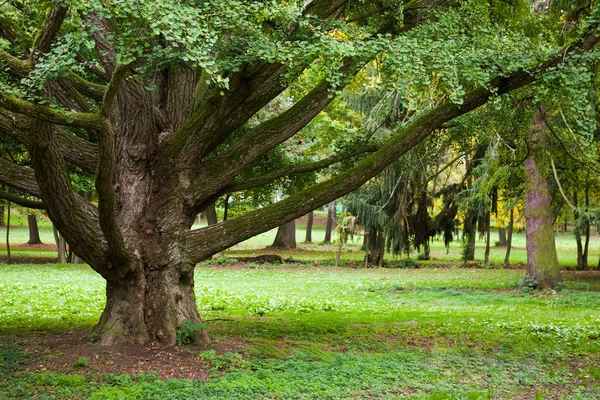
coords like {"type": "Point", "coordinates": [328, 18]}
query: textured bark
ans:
{"type": "Point", "coordinates": [330, 220]}
{"type": "Point", "coordinates": [511, 224]}
{"type": "Point", "coordinates": [160, 158]}
{"type": "Point", "coordinates": [488, 227]}
{"type": "Point", "coordinates": [8, 261]}
{"type": "Point", "coordinates": [377, 249]}
{"type": "Point", "coordinates": [286, 236]}
{"type": "Point", "coordinates": [34, 232]}
{"type": "Point", "coordinates": [2, 223]}
{"type": "Point", "coordinates": [310, 217]}
{"type": "Point", "coordinates": [148, 306]}
{"type": "Point", "coordinates": [470, 232]}
{"type": "Point", "coordinates": [542, 260]}
{"type": "Point", "coordinates": [502, 237]}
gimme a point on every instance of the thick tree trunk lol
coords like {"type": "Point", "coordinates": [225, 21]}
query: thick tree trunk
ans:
{"type": "Point", "coordinates": [286, 236]}
{"type": "Point", "coordinates": [511, 224]}
{"type": "Point", "coordinates": [149, 305]}
{"type": "Point", "coordinates": [501, 236]}
{"type": "Point", "coordinates": [330, 218]}
{"type": "Point", "coordinates": [34, 232]}
{"type": "Point", "coordinates": [310, 217]}
{"type": "Point", "coordinates": [542, 260]}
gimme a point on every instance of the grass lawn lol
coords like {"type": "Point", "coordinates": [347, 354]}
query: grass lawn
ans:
{"type": "Point", "coordinates": [300, 331]}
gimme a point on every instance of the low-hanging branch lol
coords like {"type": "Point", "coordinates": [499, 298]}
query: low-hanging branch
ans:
{"type": "Point", "coordinates": [22, 201]}
{"type": "Point", "coordinates": [19, 177]}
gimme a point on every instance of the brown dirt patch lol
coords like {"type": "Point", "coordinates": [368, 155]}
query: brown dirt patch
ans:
{"type": "Point", "coordinates": [28, 260]}
{"type": "Point", "coordinates": [59, 352]}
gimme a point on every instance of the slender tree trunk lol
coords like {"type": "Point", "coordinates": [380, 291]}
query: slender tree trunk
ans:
{"type": "Point", "coordinates": [338, 254]}
{"type": "Point", "coordinates": [8, 234]}
{"type": "Point", "coordinates": [309, 225]}
{"type": "Point", "coordinates": [487, 238]}
{"type": "Point", "coordinates": [34, 232]}
{"type": "Point", "coordinates": [470, 233]}
{"type": "Point", "coordinates": [286, 236]}
{"type": "Point", "coordinates": [501, 236]}
{"type": "Point", "coordinates": [61, 246]}
{"type": "Point", "coordinates": [211, 219]}
{"type": "Point", "coordinates": [577, 231]}
{"type": "Point", "coordinates": [226, 208]}
{"type": "Point", "coordinates": [330, 218]}
{"type": "Point", "coordinates": [586, 246]}
{"type": "Point", "coordinates": [542, 260]}
{"type": "Point", "coordinates": [2, 214]}
{"type": "Point", "coordinates": [511, 223]}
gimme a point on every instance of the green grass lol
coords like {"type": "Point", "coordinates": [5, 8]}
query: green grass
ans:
{"type": "Point", "coordinates": [314, 332]}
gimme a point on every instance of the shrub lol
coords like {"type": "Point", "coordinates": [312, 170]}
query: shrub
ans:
{"type": "Point", "coordinates": [189, 332]}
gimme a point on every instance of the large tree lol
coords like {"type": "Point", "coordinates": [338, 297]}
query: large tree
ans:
{"type": "Point", "coordinates": [163, 105]}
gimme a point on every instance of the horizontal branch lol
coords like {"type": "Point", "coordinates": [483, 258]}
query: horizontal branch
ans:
{"type": "Point", "coordinates": [203, 243]}
{"type": "Point", "coordinates": [48, 114]}
{"type": "Point", "coordinates": [293, 170]}
{"type": "Point", "coordinates": [13, 198]}
{"type": "Point", "coordinates": [77, 151]}
{"type": "Point", "coordinates": [19, 177]}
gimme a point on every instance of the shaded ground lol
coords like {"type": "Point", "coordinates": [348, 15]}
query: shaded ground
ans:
{"type": "Point", "coordinates": [61, 352]}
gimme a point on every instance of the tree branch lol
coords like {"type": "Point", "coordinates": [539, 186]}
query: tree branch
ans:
{"type": "Point", "coordinates": [266, 136]}
{"type": "Point", "coordinates": [19, 177]}
{"type": "Point", "coordinates": [36, 205]}
{"type": "Point", "coordinates": [203, 243]}
{"type": "Point", "coordinates": [45, 113]}
{"type": "Point", "coordinates": [48, 32]}
{"type": "Point", "coordinates": [293, 170]}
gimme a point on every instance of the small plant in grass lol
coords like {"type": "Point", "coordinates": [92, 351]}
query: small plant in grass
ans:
{"type": "Point", "coordinates": [189, 332]}
{"type": "Point", "coordinates": [223, 362]}
{"type": "Point", "coordinates": [529, 284]}
{"type": "Point", "coordinates": [423, 257]}
{"type": "Point", "coordinates": [94, 337]}
{"type": "Point", "coordinates": [81, 362]}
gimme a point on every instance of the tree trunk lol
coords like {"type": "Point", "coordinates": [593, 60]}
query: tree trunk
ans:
{"type": "Point", "coordinates": [511, 223]}
{"type": "Point", "coordinates": [149, 305]}
{"type": "Point", "coordinates": [286, 236]}
{"type": "Point", "coordinates": [542, 260]}
{"type": "Point", "coordinates": [61, 246]}
{"type": "Point", "coordinates": [488, 227]}
{"type": "Point", "coordinates": [2, 215]}
{"type": "Point", "coordinates": [580, 259]}
{"type": "Point", "coordinates": [211, 219]}
{"type": "Point", "coordinates": [330, 218]}
{"type": "Point", "coordinates": [376, 249]}
{"type": "Point", "coordinates": [501, 236]}
{"type": "Point", "coordinates": [470, 233]}
{"type": "Point", "coordinates": [309, 225]}
{"type": "Point", "coordinates": [34, 232]}
{"type": "Point", "coordinates": [8, 261]}
{"type": "Point", "coordinates": [226, 208]}
{"type": "Point", "coordinates": [587, 229]}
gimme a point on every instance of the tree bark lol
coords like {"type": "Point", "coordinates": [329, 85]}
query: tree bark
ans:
{"type": "Point", "coordinates": [330, 218]}
{"type": "Point", "coordinates": [470, 229]}
{"type": "Point", "coordinates": [149, 305]}
{"type": "Point", "coordinates": [581, 259]}
{"type": "Point", "coordinates": [487, 238]}
{"type": "Point", "coordinates": [542, 260]}
{"type": "Point", "coordinates": [501, 236]}
{"type": "Point", "coordinates": [286, 236]}
{"type": "Point", "coordinates": [511, 223]}
{"type": "Point", "coordinates": [310, 217]}
{"type": "Point", "coordinates": [2, 223]}
{"type": "Point", "coordinates": [34, 232]}
{"type": "Point", "coordinates": [8, 261]}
